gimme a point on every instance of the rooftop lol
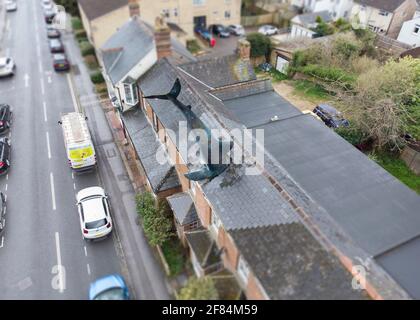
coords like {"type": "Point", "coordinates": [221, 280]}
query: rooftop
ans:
{"type": "Point", "coordinates": [388, 5]}
{"type": "Point", "coordinates": [98, 8]}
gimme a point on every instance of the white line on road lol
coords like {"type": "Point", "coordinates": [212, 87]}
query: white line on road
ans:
{"type": "Point", "coordinates": [85, 251]}
{"type": "Point", "coordinates": [26, 78]}
{"type": "Point", "coordinates": [57, 246]}
{"type": "Point", "coordinates": [42, 86]}
{"type": "Point", "coordinates": [72, 175]}
{"type": "Point", "coordinates": [40, 67]}
{"type": "Point", "coordinates": [45, 111]}
{"type": "Point", "coordinates": [88, 269]}
{"type": "Point", "coordinates": [74, 185]}
{"type": "Point", "coordinates": [52, 191]}
{"type": "Point", "coordinates": [7, 176]}
{"type": "Point", "coordinates": [38, 51]}
{"type": "Point", "coordinates": [5, 188]}
{"type": "Point", "coordinates": [48, 145]}
{"type": "Point", "coordinates": [2, 242]}
{"type": "Point", "coordinates": [73, 96]}
{"type": "Point", "coordinates": [49, 79]}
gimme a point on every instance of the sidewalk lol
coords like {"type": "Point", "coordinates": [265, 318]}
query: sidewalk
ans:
{"type": "Point", "coordinates": [2, 24]}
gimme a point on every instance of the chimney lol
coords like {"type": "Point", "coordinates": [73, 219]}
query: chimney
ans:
{"type": "Point", "coordinates": [134, 8]}
{"type": "Point", "coordinates": [162, 38]}
{"type": "Point", "coordinates": [244, 49]}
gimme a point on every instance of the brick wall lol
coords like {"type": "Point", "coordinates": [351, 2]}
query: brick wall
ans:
{"type": "Point", "coordinates": [203, 208]}
{"type": "Point", "coordinates": [231, 255]}
{"type": "Point", "coordinates": [403, 13]}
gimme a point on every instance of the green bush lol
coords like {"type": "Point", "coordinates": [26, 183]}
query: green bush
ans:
{"type": "Point", "coordinates": [277, 75]}
{"type": "Point", "coordinates": [352, 134]}
{"type": "Point", "coordinates": [70, 6]}
{"type": "Point", "coordinates": [91, 62]}
{"type": "Point", "coordinates": [76, 23]}
{"type": "Point", "coordinates": [329, 74]}
{"type": "Point", "coordinates": [199, 289]}
{"type": "Point", "coordinates": [174, 255]}
{"type": "Point", "coordinates": [193, 46]}
{"type": "Point", "coordinates": [86, 48]}
{"type": "Point", "coordinates": [80, 34]}
{"type": "Point", "coordinates": [260, 44]}
{"type": "Point", "coordinates": [97, 77]}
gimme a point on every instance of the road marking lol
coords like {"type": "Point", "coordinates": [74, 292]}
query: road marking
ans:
{"type": "Point", "coordinates": [42, 86]}
{"type": "Point", "coordinates": [26, 78]}
{"type": "Point", "coordinates": [7, 176]}
{"type": "Point", "coordinates": [8, 24]}
{"type": "Point", "coordinates": [45, 111]}
{"type": "Point", "coordinates": [73, 96]}
{"type": "Point", "coordinates": [74, 185]}
{"type": "Point", "coordinates": [2, 242]}
{"type": "Point", "coordinates": [72, 175]}
{"type": "Point", "coordinates": [40, 67]}
{"type": "Point", "coordinates": [85, 251]}
{"type": "Point", "coordinates": [88, 269]}
{"type": "Point", "coordinates": [57, 246]}
{"type": "Point", "coordinates": [48, 145]}
{"type": "Point", "coordinates": [49, 79]}
{"type": "Point", "coordinates": [52, 191]}
{"type": "Point", "coordinates": [6, 187]}
{"type": "Point", "coordinates": [38, 51]}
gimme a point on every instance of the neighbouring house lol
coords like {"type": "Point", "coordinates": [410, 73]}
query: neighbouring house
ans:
{"type": "Point", "coordinates": [410, 31]}
{"type": "Point", "coordinates": [101, 18]}
{"type": "Point", "coordinates": [415, 53]}
{"type": "Point", "coordinates": [383, 17]}
{"type": "Point", "coordinates": [336, 8]}
{"type": "Point", "coordinates": [303, 24]}
{"type": "Point", "coordinates": [317, 210]}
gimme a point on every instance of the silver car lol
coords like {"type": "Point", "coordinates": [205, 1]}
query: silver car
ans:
{"type": "Point", "coordinates": [7, 67]}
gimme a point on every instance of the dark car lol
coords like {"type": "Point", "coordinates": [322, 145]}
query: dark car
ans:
{"type": "Point", "coordinates": [5, 118]}
{"type": "Point", "coordinates": [49, 16]}
{"type": "Point", "coordinates": [61, 63]}
{"type": "Point", "coordinates": [266, 67]}
{"type": "Point", "coordinates": [2, 212]}
{"type": "Point", "coordinates": [53, 33]}
{"type": "Point", "coordinates": [56, 46]}
{"type": "Point", "coordinates": [330, 116]}
{"type": "Point", "coordinates": [4, 155]}
{"type": "Point", "coordinates": [219, 31]}
{"type": "Point", "coordinates": [206, 35]}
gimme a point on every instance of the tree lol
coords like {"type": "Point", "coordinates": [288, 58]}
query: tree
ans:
{"type": "Point", "coordinates": [199, 289]}
{"type": "Point", "coordinates": [323, 28]}
{"type": "Point", "coordinates": [260, 44]}
{"type": "Point", "coordinates": [70, 6]}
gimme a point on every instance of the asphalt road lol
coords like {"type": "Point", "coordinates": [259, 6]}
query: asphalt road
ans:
{"type": "Point", "coordinates": [42, 224]}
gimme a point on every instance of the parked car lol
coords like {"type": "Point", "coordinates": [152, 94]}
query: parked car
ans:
{"type": "Point", "coordinates": [236, 29]}
{"type": "Point", "coordinates": [7, 67]}
{"type": "Point", "coordinates": [61, 63]}
{"type": "Point", "coordinates": [330, 116]}
{"type": "Point", "coordinates": [111, 287]}
{"type": "Point", "coordinates": [268, 30]}
{"type": "Point", "coordinates": [94, 213]}
{"type": "Point", "coordinates": [5, 118]}
{"type": "Point", "coordinates": [2, 212]}
{"type": "Point", "coordinates": [4, 155]}
{"type": "Point", "coordinates": [206, 35]}
{"type": "Point", "coordinates": [11, 5]}
{"type": "Point", "coordinates": [219, 30]}
{"type": "Point", "coordinates": [266, 67]}
{"type": "Point", "coordinates": [49, 16]}
{"type": "Point", "coordinates": [53, 33]}
{"type": "Point", "coordinates": [56, 46]}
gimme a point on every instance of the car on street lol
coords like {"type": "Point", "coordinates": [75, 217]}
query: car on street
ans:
{"type": "Point", "coordinates": [110, 287]}
{"type": "Point", "coordinates": [7, 67]}
{"type": "Point", "coordinates": [53, 33]}
{"type": "Point", "coordinates": [330, 116]}
{"type": "Point", "coordinates": [5, 118]}
{"type": "Point", "coordinates": [56, 46]}
{"type": "Point", "coordinates": [219, 30]}
{"type": "Point", "coordinates": [11, 5]}
{"type": "Point", "coordinates": [94, 213]}
{"type": "Point", "coordinates": [60, 62]}
{"type": "Point", "coordinates": [4, 155]}
{"type": "Point", "coordinates": [268, 30]}
{"type": "Point", "coordinates": [236, 29]}
{"type": "Point", "coordinates": [49, 16]}
{"type": "Point", "coordinates": [2, 212]}
{"type": "Point", "coordinates": [205, 35]}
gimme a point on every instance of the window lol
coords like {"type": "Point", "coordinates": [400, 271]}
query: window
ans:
{"type": "Point", "coordinates": [383, 13]}
{"type": "Point", "coordinates": [199, 2]}
{"type": "Point", "coordinates": [227, 14]}
{"type": "Point", "coordinates": [130, 92]}
{"type": "Point", "coordinates": [166, 13]}
{"type": "Point", "coordinates": [175, 12]}
{"type": "Point", "coordinates": [417, 29]}
{"type": "Point", "coordinates": [243, 270]}
{"type": "Point", "coordinates": [215, 222]}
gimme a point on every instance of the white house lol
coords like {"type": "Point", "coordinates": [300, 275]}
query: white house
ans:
{"type": "Point", "coordinates": [410, 32]}
{"type": "Point", "coordinates": [336, 8]}
{"type": "Point", "coordinates": [303, 24]}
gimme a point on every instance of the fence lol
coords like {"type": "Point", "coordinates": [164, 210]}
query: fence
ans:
{"type": "Point", "coordinates": [412, 158]}
{"type": "Point", "coordinates": [392, 45]}
{"type": "Point", "coordinates": [268, 18]}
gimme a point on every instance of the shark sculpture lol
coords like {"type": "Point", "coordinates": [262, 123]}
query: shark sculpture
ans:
{"type": "Point", "coordinates": [207, 170]}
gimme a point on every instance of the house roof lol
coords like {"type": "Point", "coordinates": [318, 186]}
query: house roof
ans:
{"type": "Point", "coordinates": [183, 207]}
{"type": "Point", "coordinates": [309, 19]}
{"type": "Point", "coordinates": [126, 48]}
{"type": "Point", "coordinates": [162, 176]}
{"type": "Point", "coordinates": [388, 5]}
{"type": "Point", "coordinates": [291, 264]}
{"type": "Point", "coordinates": [97, 8]}
{"type": "Point", "coordinates": [204, 248]}
{"type": "Point", "coordinates": [221, 71]}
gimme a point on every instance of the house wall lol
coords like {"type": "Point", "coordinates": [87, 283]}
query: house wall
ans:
{"type": "Point", "coordinates": [102, 28]}
{"type": "Point", "coordinates": [403, 13]}
{"type": "Point", "coordinates": [86, 23]}
{"type": "Point", "coordinates": [370, 17]}
{"type": "Point", "coordinates": [299, 31]}
{"type": "Point", "coordinates": [337, 8]}
{"type": "Point", "coordinates": [407, 34]}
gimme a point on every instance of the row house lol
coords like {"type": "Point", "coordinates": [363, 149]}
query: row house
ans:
{"type": "Point", "coordinates": [336, 8]}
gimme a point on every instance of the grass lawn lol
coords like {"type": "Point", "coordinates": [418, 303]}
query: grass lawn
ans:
{"type": "Point", "coordinates": [310, 91]}
{"type": "Point", "coordinates": [399, 169]}
{"type": "Point", "coordinates": [174, 255]}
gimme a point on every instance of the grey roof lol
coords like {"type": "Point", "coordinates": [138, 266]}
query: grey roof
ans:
{"type": "Point", "coordinates": [308, 19]}
{"type": "Point", "coordinates": [221, 71]}
{"type": "Point", "coordinates": [126, 48]}
{"type": "Point", "coordinates": [203, 246]}
{"type": "Point", "coordinates": [183, 207]}
{"type": "Point", "coordinates": [388, 5]}
{"type": "Point", "coordinates": [161, 176]}
{"type": "Point", "coordinates": [97, 8]}
{"type": "Point", "coordinates": [291, 264]}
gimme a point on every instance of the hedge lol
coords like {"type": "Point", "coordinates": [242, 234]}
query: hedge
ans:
{"type": "Point", "coordinates": [86, 48]}
{"type": "Point", "coordinates": [80, 34]}
{"type": "Point", "coordinates": [97, 77]}
{"type": "Point", "coordinates": [76, 23]}
{"type": "Point", "coordinates": [329, 74]}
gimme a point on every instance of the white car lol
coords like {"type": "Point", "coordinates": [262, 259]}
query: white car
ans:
{"type": "Point", "coordinates": [236, 29]}
{"type": "Point", "coordinates": [94, 213]}
{"type": "Point", "coordinates": [11, 5]}
{"type": "Point", "coordinates": [7, 67]}
{"type": "Point", "coordinates": [268, 30]}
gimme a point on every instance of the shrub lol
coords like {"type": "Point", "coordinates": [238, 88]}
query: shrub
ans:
{"type": "Point", "coordinates": [70, 6]}
{"type": "Point", "coordinates": [97, 77]}
{"type": "Point", "coordinates": [193, 46]}
{"type": "Point", "coordinates": [351, 134]}
{"type": "Point", "coordinates": [199, 289]}
{"type": "Point", "coordinates": [363, 64]}
{"type": "Point", "coordinates": [329, 74]}
{"type": "Point", "coordinates": [80, 34]}
{"type": "Point", "coordinates": [174, 255]}
{"type": "Point", "coordinates": [346, 48]}
{"type": "Point", "coordinates": [76, 23]}
{"type": "Point", "coordinates": [86, 48]}
{"type": "Point", "coordinates": [91, 62]}
{"type": "Point", "coordinates": [260, 44]}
